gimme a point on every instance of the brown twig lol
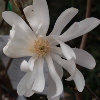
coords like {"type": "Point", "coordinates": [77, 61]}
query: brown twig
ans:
{"type": "Point", "coordinates": [90, 91]}
{"type": "Point", "coordinates": [6, 5]}
{"type": "Point", "coordinates": [19, 4]}
{"type": "Point", "coordinates": [84, 39]}
{"type": "Point", "coordinates": [6, 69]}
{"type": "Point", "coordinates": [88, 12]}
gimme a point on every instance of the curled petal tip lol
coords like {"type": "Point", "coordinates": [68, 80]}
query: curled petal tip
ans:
{"type": "Point", "coordinates": [25, 67]}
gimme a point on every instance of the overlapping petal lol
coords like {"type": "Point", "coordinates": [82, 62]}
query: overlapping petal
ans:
{"type": "Point", "coordinates": [55, 76]}
{"type": "Point", "coordinates": [19, 45]}
{"type": "Point", "coordinates": [28, 66]}
{"type": "Point", "coordinates": [70, 32]}
{"type": "Point", "coordinates": [11, 18]}
{"type": "Point", "coordinates": [85, 26]}
{"type": "Point", "coordinates": [84, 59]}
{"type": "Point", "coordinates": [67, 51]}
{"type": "Point", "coordinates": [39, 82]}
{"type": "Point", "coordinates": [67, 65]}
{"type": "Point", "coordinates": [51, 83]}
{"type": "Point", "coordinates": [21, 88]}
{"type": "Point", "coordinates": [36, 25]}
{"type": "Point", "coordinates": [41, 13]}
{"type": "Point", "coordinates": [63, 20]}
{"type": "Point", "coordinates": [31, 62]}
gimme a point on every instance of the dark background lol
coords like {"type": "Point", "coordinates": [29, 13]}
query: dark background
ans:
{"type": "Point", "coordinates": [56, 7]}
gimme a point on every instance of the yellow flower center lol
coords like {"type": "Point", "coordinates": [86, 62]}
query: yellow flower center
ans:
{"type": "Point", "coordinates": [41, 47]}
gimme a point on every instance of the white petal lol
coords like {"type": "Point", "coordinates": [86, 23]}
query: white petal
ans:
{"type": "Point", "coordinates": [51, 40]}
{"type": "Point", "coordinates": [32, 77]}
{"type": "Point", "coordinates": [26, 82]}
{"type": "Point", "coordinates": [39, 82]}
{"type": "Point", "coordinates": [63, 20]}
{"type": "Point", "coordinates": [67, 51]}
{"type": "Point", "coordinates": [70, 32]}
{"type": "Point", "coordinates": [41, 13]}
{"type": "Point", "coordinates": [28, 93]}
{"type": "Point", "coordinates": [52, 90]}
{"type": "Point", "coordinates": [11, 18]}
{"type": "Point", "coordinates": [85, 26]}
{"type": "Point", "coordinates": [31, 62]}
{"type": "Point", "coordinates": [74, 72]}
{"type": "Point", "coordinates": [40, 30]}
{"type": "Point", "coordinates": [51, 83]}
{"type": "Point", "coordinates": [21, 88]}
{"type": "Point", "coordinates": [67, 65]}
{"type": "Point", "coordinates": [31, 18]}
{"type": "Point", "coordinates": [79, 81]}
{"type": "Point", "coordinates": [84, 59]}
{"type": "Point", "coordinates": [56, 49]}
{"type": "Point", "coordinates": [33, 21]}
{"type": "Point", "coordinates": [20, 45]}
{"type": "Point", "coordinates": [24, 66]}
{"type": "Point", "coordinates": [55, 76]}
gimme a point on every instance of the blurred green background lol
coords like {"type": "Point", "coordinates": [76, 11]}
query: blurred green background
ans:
{"type": "Point", "coordinates": [56, 7]}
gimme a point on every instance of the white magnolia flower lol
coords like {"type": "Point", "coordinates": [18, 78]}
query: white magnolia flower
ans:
{"type": "Point", "coordinates": [25, 41]}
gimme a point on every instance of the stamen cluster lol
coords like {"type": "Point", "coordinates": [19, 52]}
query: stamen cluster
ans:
{"type": "Point", "coordinates": [41, 47]}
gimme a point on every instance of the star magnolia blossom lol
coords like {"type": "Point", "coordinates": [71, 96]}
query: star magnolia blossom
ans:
{"type": "Point", "coordinates": [25, 41]}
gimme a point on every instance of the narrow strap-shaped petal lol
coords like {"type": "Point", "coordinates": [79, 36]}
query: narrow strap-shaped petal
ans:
{"type": "Point", "coordinates": [21, 88]}
{"type": "Point", "coordinates": [55, 76]}
{"type": "Point", "coordinates": [51, 83]}
{"type": "Point", "coordinates": [63, 20]}
{"type": "Point", "coordinates": [39, 82]}
{"type": "Point", "coordinates": [67, 65]}
{"type": "Point", "coordinates": [84, 59]}
{"type": "Point", "coordinates": [11, 18]}
{"type": "Point", "coordinates": [85, 26]}
{"type": "Point", "coordinates": [79, 80]}
{"type": "Point", "coordinates": [70, 32]}
{"type": "Point", "coordinates": [41, 13]}
{"type": "Point", "coordinates": [66, 50]}
{"type": "Point", "coordinates": [52, 90]}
